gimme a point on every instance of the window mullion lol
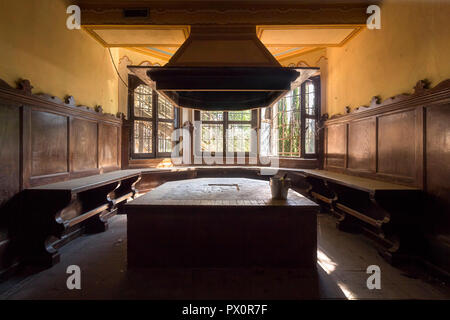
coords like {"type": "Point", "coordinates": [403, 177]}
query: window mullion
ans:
{"type": "Point", "coordinates": [155, 123]}
{"type": "Point", "coordinates": [142, 119]}
{"type": "Point", "coordinates": [225, 130]}
{"type": "Point", "coordinates": [302, 118]}
{"type": "Point", "coordinates": [166, 120]}
{"type": "Point", "coordinates": [138, 100]}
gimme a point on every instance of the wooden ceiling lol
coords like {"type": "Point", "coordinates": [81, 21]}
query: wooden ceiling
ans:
{"type": "Point", "coordinates": [262, 12]}
{"type": "Point", "coordinates": [139, 35]}
{"type": "Point", "coordinates": [211, 3]}
{"type": "Point", "coordinates": [282, 41]}
{"type": "Point", "coordinates": [287, 28]}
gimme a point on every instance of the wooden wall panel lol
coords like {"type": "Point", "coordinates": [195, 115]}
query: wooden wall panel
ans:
{"type": "Point", "coordinates": [336, 145]}
{"type": "Point", "coordinates": [9, 151]}
{"type": "Point", "coordinates": [44, 140]}
{"type": "Point", "coordinates": [396, 144]}
{"type": "Point", "coordinates": [362, 145]}
{"type": "Point", "coordinates": [49, 137]}
{"type": "Point", "coordinates": [438, 159]}
{"type": "Point", "coordinates": [109, 146]}
{"type": "Point", "coordinates": [53, 140]}
{"type": "Point", "coordinates": [438, 183]}
{"type": "Point", "coordinates": [412, 147]}
{"type": "Point", "coordinates": [389, 140]}
{"type": "Point", "coordinates": [83, 145]}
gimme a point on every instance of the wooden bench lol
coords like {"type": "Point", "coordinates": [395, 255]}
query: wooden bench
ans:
{"type": "Point", "coordinates": [391, 213]}
{"type": "Point", "coordinates": [50, 215]}
{"type": "Point", "coordinates": [51, 211]}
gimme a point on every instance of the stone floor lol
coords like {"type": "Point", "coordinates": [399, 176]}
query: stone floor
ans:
{"type": "Point", "coordinates": [342, 262]}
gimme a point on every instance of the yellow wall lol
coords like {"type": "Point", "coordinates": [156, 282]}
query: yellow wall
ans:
{"type": "Point", "coordinates": [138, 58]}
{"type": "Point", "coordinates": [36, 45]}
{"type": "Point", "coordinates": [413, 44]}
{"type": "Point", "coordinates": [309, 58]}
{"type": "Point", "coordinates": [130, 57]}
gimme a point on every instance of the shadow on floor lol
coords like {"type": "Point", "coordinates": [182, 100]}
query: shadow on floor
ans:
{"type": "Point", "coordinates": [341, 274]}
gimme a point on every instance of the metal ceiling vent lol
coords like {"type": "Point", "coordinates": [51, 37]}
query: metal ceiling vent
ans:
{"type": "Point", "coordinates": [136, 13]}
{"type": "Point", "coordinates": [223, 68]}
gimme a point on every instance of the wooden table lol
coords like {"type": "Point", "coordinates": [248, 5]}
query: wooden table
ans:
{"type": "Point", "coordinates": [221, 222]}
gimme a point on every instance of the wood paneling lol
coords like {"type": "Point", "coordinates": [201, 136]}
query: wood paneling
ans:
{"type": "Point", "coordinates": [411, 147]}
{"type": "Point", "coordinates": [361, 145]}
{"type": "Point", "coordinates": [438, 160]}
{"type": "Point", "coordinates": [109, 146]}
{"type": "Point", "coordinates": [396, 144]}
{"type": "Point", "coordinates": [298, 163]}
{"type": "Point", "coordinates": [45, 140]}
{"type": "Point", "coordinates": [385, 141]}
{"type": "Point", "coordinates": [438, 183]}
{"type": "Point", "coordinates": [83, 144]}
{"type": "Point", "coordinates": [49, 140]}
{"type": "Point", "coordinates": [48, 143]}
{"type": "Point", "coordinates": [9, 151]}
{"type": "Point", "coordinates": [336, 145]}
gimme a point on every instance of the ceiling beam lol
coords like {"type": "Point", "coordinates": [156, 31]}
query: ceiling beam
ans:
{"type": "Point", "coordinates": [246, 12]}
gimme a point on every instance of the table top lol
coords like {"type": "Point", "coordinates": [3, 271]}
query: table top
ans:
{"type": "Point", "coordinates": [218, 192]}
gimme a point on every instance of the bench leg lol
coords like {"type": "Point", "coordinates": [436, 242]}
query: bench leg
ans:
{"type": "Point", "coordinates": [126, 190]}
{"type": "Point", "coordinates": [98, 198]}
{"type": "Point", "coordinates": [322, 194]}
{"type": "Point", "coordinates": [40, 255]}
{"type": "Point", "coordinates": [36, 226]}
{"type": "Point", "coordinates": [45, 259]}
{"type": "Point", "coordinates": [347, 223]}
{"type": "Point", "coordinates": [117, 198]}
{"type": "Point", "coordinates": [97, 224]}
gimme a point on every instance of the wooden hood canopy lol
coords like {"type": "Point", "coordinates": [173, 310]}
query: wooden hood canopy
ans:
{"type": "Point", "coordinates": [223, 68]}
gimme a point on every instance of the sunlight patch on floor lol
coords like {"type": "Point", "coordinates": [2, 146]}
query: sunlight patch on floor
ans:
{"type": "Point", "coordinates": [349, 294]}
{"type": "Point", "coordinates": [325, 262]}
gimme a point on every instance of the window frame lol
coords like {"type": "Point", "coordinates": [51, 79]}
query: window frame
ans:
{"type": "Point", "coordinates": [303, 116]}
{"type": "Point", "coordinates": [275, 120]}
{"type": "Point", "coordinates": [316, 82]}
{"type": "Point", "coordinates": [133, 83]}
{"type": "Point", "coordinates": [225, 122]}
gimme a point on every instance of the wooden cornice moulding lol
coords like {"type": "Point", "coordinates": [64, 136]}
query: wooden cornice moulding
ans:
{"type": "Point", "coordinates": [423, 95]}
{"type": "Point", "coordinates": [121, 116]}
{"type": "Point", "coordinates": [250, 13]}
{"type": "Point", "coordinates": [23, 95]}
{"type": "Point", "coordinates": [70, 100]}
{"type": "Point", "coordinates": [23, 86]}
{"type": "Point", "coordinates": [422, 85]}
{"type": "Point", "coordinates": [4, 84]}
{"type": "Point", "coordinates": [49, 97]}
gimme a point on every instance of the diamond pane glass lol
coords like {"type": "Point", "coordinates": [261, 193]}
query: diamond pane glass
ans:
{"type": "Point", "coordinates": [212, 137]}
{"type": "Point", "coordinates": [143, 101]}
{"type": "Point", "coordinates": [238, 138]}
{"type": "Point", "coordinates": [165, 130]}
{"type": "Point", "coordinates": [142, 137]}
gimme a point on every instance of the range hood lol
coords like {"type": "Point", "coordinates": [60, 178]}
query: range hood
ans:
{"type": "Point", "coordinates": [223, 68]}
